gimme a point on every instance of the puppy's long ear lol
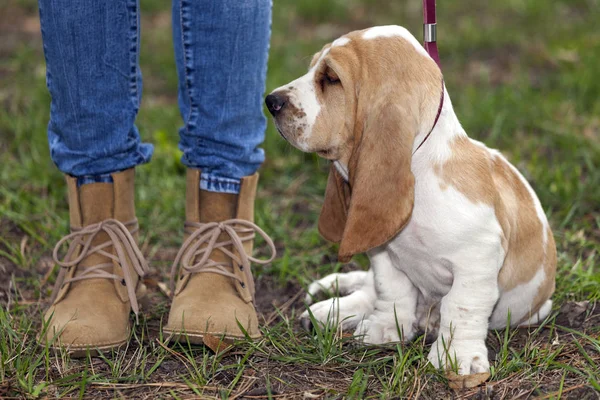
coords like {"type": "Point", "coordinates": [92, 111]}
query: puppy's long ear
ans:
{"type": "Point", "coordinates": [335, 207]}
{"type": "Point", "coordinates": [378, 200]}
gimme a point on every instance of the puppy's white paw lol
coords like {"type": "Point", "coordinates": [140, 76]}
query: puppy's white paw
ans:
{"type": "Point", "coordinates": [342, 283]}
{"type": "Point", "coordinates": [385, 327]}
{"type": "Point", "coordinates": [469, 355]}
{"type": "Point", "coordinates": [373, 332]}
{"type": "Point", "coordinates": [348, 310]}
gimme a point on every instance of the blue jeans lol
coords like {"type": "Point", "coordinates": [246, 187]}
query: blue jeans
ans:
{"type": "Point", "coordinates": [92, 52]}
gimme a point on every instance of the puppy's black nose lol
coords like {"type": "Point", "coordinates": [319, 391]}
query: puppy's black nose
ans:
{"type": "Point", "coordinates": [275, 103]}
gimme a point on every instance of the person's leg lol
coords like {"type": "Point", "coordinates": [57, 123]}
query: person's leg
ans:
{"type": "Point", "coordinates": [221, 51]}
{"type": "Point", "coordinates": [91, 49]}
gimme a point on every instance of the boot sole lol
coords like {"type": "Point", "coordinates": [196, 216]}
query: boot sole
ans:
{"type": "Point", "coordinates": [83, 351]}
{"type": "Point", "coordinates": [198, 338]}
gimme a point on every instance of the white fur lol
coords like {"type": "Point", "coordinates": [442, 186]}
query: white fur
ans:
{"type": "Point", "coordinates": [511, 303]}
{"type": "Point", "coordinates": [340, 42]}
{"type": "Point", "coordinates": [303, 96]}
{"type": "Point", "coordinates": [394, 30]}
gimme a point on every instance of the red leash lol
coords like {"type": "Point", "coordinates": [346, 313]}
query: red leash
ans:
{"type": "Point", "coordinates": [430, 30]}
{"type": "Point", "coordinates": [430, 44]}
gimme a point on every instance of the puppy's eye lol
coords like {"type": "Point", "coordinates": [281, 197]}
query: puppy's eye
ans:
{"type": "Point", "coordinates": [331, 77]}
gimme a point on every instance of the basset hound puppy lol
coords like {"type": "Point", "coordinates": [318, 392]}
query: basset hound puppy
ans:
{"type": "Point", "coordinates": [457, 239]}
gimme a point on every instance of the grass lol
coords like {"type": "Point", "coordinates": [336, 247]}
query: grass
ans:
{"type": "Point", "coordinates": [523, 78]}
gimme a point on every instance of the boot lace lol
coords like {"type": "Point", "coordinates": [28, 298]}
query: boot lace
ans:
{"type": "Point", "coordinates": [239, 231]}
{"type": "Point", "coordinates": [128, 255]}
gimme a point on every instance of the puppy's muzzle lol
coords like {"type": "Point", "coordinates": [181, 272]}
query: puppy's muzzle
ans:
{"type": "Point", "coordinates": [275, 103]}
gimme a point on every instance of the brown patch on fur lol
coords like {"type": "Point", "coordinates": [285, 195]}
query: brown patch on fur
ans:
{"type": "Point", "coordinates": [485, 178]}
{"type": "Point", "coordinates": [468, 171]}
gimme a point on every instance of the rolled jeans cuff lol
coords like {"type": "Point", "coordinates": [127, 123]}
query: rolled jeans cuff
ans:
{"type": "Point", "coordinates": [219, 184]}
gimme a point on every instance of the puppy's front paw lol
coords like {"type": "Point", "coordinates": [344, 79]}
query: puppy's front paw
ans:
{"type": "Point", "coordinates": [374, 332]}
{"type": "Point", "coordinates": [382, 327]}
{"type": "Point", "coordinates": [469, 356]}
{"type": "Point", "coordinates": [347, 310]}
{"type": "Point", "coordinates": [342, 283]}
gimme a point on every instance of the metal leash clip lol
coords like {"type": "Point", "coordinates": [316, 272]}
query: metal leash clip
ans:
{"type": "Point", "coordinates": [430, 32]}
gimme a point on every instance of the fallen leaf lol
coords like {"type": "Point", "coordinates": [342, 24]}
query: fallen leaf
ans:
{"type": "Point", "coordinates": [457, 382]}
{"type": "Point", "coordinates": [572, 314]}
{"type": "Point", "coordinates": [217, 345]}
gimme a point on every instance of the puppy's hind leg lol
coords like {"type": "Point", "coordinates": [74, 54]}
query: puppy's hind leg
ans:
{"type": "Point", "coordinates": [539, 316]}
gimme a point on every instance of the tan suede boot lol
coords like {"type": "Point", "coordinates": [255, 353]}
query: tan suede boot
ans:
{"type": "Point", "coordinates": [98, 283]}
{"type": "Point", "coordinates": [215, 288]}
